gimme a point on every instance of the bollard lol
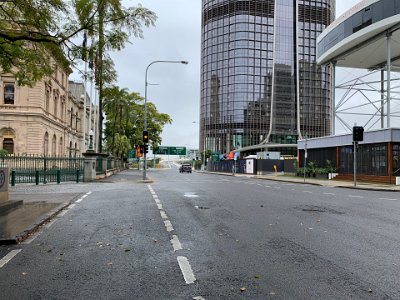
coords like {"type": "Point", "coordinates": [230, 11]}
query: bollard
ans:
{"type": "Point", "coordinates": [13, 178]}
{"type": "Point", "coordinates": [77, 175]}
{"type": "Point", "coordinates": [58, 176]}
{"type": "Point", "coordinates": [37, 177]}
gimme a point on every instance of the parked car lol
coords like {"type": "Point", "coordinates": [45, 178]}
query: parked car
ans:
{"type": "Point", "coordinates": [185, 168]}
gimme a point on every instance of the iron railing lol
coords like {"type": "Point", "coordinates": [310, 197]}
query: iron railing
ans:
{"type": "Point", "coordinates": [42, 169]}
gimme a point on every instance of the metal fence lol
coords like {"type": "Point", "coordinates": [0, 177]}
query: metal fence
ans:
{"type": "Point", "coordinates": [42, 169]}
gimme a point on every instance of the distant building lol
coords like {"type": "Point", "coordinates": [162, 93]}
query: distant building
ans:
{"type": "Point", "coordinates": [260, 82]}
{"type": "Point", "coordinates": [45, 119]}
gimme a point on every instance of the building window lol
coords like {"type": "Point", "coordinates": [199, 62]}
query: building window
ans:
{"type": "Point", "coordinates": [47, 100]}
{"type": "Point", "coordinates": [46, 144]}
{"type": "Point", "coordinates": [55, 105]}
{"type": "Point", "coordinates": [60, 147]}
{"type": "Point", "coordinates": [8, 145]}
{"type": "Point", "coordinates": [53, 145]}
{"type": "Point", "coordinates": [9, 93]}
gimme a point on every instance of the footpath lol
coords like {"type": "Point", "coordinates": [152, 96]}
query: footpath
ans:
{"type": "Point", "coordinates": [42, 203]}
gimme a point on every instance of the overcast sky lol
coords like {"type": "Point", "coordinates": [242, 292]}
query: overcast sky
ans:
{"type": "Point", "coordinates": [176, 36]}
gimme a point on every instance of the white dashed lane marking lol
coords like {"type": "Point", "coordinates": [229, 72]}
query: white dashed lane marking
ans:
{"type": "Point", "coordinates": [355, 196]}
{"type": "Point", "coordinates": [388, 199]}
{"type": "Point", "coordinates": [176, 244]}
{"type": "Point", "coordinates": [9, 257]}
{"type": "Point", "coordinates": [186, 269]}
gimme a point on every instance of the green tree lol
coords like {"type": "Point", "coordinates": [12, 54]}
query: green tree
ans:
{"type": "Point", "coordinates": [125, 118]}
{"type": "Point", "coordinates": [112, 25]}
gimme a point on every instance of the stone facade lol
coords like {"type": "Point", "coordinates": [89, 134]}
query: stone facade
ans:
{"type": "Point", "coordinates": [46, 119]}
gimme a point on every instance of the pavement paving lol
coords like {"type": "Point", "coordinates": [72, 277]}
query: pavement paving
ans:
{"type": "Point", "coordinates": [42, 203]}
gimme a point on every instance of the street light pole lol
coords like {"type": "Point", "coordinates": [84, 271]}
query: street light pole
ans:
{"type": "Point", "coordinates": [145, 101]}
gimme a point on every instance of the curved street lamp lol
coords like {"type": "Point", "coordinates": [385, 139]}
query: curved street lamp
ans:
{"type": "Point", "coordinates": [145, 100]}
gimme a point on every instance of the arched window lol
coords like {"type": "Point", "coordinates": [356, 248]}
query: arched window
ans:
{"type": "Point", "coordinates": [76, 121]}
{"type": "Point", "coordinates": [53, 145]}
{"type": "Point", "coordinates": [60, 147]}
{"type": "Point", "coordinates": [72, 116]}
{"type": "Point", "coordinates": [46, 144]}
{"type": "Point", "coordinates": [76, 149]}
{"type": "Point", "coordinates": [70, 149]}
{"type": "Point", "coordinates": [8, 145]}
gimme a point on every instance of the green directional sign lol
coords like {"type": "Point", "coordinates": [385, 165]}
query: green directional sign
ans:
{"type": "Point", "coordinates": [132, 153]}
{"type": "Point", "coordinates": [167, 150]}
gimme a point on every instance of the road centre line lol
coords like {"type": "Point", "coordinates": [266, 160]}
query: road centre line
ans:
{"type": "Point", "coordinates": [168, 225]}
{"type": "Point", "coordinates": [309, 192]}
{"type": "Point", "coordinates": [388, 199]}
{"type": "Point", "coordinates": [329, 194]}
{"type": "Point", "coordinates": [183, 262]}
{"type": "Point", "coordinates": [355, 196]}
{"type": "Point", "coordinates": [176, 244]}
{"type": "Point", "coordinates": [163, 215]}
{"type": "Point", "coordinates": [186, 269]}
{"type": "Point", "coordinates": [9, 257]}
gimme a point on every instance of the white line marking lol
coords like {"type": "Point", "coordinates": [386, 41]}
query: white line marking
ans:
{"type": "Point", "coordinates": [72, 206]}
{"type": "Point", "coordinates": [198, 298]}
{"type": "Point", "coordinates": [159, 206]}
{"type": "Point", "coordinates": [9, 257]}
{"type": "Point", "coordinates": [62, 213]}
{"type": "Point", "coordinates": [32, 238]}
{"type": "Point", "coordinates": [259, 184]}
{"type": "Point", "coordinates": [191, 196]}
{"type": "Point", "coordinates": [388, 199]}
{"type": "Point", "coordinates": [176, 244]}
{"type": "Point", "coordinates": [79, 200]}
{"type": "Point", "coordinates": [157, 201]}
{"type": "Point", "coordinates": [88, 193]}
{"type": "Point", "coordinates": [186, 269]}
{"type": "Point", "coordinates": [307, 192]}
{"type": "Point", "coordinates": [329, 194]}
{"type": "Point", "coordinates": [168, 225]}
{"type": "Point", "coordinates": [267, 186]}
{"type": "Point", "coordinates": [353, 196]}
{"type": "Point", "coordinates": [84, 196]}
{"type": "Point", "coordinates": [163, 215]}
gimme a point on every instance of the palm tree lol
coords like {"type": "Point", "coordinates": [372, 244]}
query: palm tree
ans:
{"type": "Point", "coordinates": [112, 25]}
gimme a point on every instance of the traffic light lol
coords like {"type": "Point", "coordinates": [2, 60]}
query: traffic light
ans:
{"type": "Point", "coordinates": [146, 148]}
{"type": "Point", "coordinates": [358, 133]}
{"type": "Point", "coordinates": [145, 136]}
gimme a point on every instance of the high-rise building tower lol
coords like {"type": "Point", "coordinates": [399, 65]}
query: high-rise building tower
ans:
{"type": "Point", "coordinates": [259, 79]}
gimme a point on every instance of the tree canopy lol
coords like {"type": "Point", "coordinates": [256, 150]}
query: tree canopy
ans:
{"type": "Point", "coordinates": [124, 125]}
{"type": "Point", "coordinates": [32, 31]}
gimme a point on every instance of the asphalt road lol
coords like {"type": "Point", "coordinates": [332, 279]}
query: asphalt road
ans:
{"type": "Point", "coordinates": [204, 236]}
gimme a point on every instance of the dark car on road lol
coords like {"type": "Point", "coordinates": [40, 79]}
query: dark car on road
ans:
{"type": "Point", "coordinates": [185, 168]}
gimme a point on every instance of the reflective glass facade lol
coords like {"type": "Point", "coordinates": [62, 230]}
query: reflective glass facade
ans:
{"type": "Point", "coordinates": [259, 77]}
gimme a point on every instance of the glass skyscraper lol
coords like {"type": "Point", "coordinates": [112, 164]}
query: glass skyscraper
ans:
{"type": "Point", "coordinates": [259, 79]}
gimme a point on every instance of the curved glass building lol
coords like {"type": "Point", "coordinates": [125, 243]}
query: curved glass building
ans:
{"type": "Point", "coordinates": [259, 79]}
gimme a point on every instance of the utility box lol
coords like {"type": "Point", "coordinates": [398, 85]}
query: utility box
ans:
{"type": "Point", "coordinates": [397, 180]}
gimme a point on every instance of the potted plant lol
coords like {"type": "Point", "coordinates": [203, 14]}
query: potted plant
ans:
{"type": "Point", "coordinates": [331, 168]}
{"type": "Point", "coordinates": [312, 168]}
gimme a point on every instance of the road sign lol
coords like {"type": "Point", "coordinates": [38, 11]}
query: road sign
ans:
{"type": "Point", "coordinates": [167, 150]}
{"type": "Point", "coordinates": [132, 153]}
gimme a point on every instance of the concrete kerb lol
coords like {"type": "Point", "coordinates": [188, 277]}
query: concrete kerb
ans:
{"type": "Point", "coordinates": [42, 220]}
{"type": "Point", "coordinates": [349, 185]}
